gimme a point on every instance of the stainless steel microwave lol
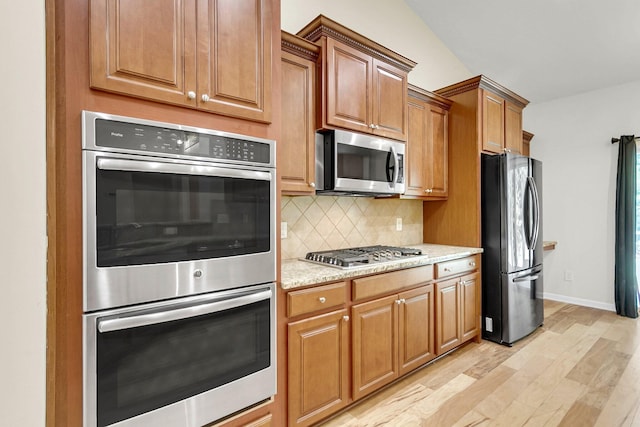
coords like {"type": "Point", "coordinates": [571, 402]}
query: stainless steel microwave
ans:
{"type": "Point", "coordinates": [349, 163]}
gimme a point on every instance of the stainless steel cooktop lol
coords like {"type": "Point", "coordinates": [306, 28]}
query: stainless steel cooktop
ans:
{"type": "Point", "coordinates": [361, 256]}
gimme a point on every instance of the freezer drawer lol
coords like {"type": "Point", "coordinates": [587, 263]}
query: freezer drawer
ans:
{"type": "Point", "coordinates": [516, 310]}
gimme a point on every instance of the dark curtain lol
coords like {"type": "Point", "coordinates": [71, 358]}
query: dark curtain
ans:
{"type": "Point", "coordinates": [626, 283]}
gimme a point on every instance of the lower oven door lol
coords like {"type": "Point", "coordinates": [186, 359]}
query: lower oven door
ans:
{"type": "Point", "coordinates": [186, 362]}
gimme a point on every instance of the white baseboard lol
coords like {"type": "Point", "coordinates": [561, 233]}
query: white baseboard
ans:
{"type": "Point", "coordinates": [580, 301]}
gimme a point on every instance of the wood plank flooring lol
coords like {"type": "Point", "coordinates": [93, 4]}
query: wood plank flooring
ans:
{"type": "Point", "coordinates": [582, 368]}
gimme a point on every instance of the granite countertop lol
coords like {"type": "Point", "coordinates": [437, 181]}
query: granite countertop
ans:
{"type": "Point", "coordinates": [297, 273]}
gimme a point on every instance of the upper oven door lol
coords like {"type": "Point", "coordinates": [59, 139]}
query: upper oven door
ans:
{"type": "Point", "coordinates": [159, 228]}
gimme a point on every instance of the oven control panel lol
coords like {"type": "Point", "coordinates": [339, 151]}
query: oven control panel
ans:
{"type": "Point", "coordinates": [168, 141]}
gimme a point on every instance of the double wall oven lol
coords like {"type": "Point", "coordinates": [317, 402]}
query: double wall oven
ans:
{"type": "Point", "coordinates": [178, 270]}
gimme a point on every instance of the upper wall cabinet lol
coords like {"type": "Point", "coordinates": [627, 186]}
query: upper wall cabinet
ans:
{"type": "Point", "coordinates": [526, 142]}
{"type": "Point", "coordinates": [427, 145]}
{"type": "Point", "coordinates": [363, 84]}
{"type": "Point", "coordinates": [296, 147]}
{"type": "Point", "coordinates": [213, 55]}
{"type": "Point", "coordinates": [499, 113]}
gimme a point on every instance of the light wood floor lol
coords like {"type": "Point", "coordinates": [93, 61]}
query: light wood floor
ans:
{"type": "Point", "coordinates": [582, 368]}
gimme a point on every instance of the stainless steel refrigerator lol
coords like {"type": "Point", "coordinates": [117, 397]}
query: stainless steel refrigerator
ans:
{"type": "Point", "coordinates": [512, 284]}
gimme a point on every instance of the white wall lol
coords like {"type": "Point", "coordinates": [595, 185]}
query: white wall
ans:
{"type": "Point", "coordinates": [573, 140]}
{"type": "Point", "coordinates": [22, 213]}
{"type": "Point", "coordinates": [390, 23]}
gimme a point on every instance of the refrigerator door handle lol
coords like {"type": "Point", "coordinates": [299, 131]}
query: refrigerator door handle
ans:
{"type": "Point", "coordinates": [526, 278]}
{"type": "Point", "coordinates": [536, 212]}
{"type": "Point", "coordinates": [528, 227]}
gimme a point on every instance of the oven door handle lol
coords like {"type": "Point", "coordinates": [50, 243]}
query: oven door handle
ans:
{"type": "Point", "coordinates": [168, 315]}
{"type": "Point", "coordinates": [107, 163]}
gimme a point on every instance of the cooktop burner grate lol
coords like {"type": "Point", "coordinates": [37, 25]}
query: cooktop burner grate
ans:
{"type": "Point", "coordinates": [366, 255]}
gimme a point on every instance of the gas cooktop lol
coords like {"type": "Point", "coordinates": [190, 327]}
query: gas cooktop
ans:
{"type": "Point", "coordinates": [357, 257]}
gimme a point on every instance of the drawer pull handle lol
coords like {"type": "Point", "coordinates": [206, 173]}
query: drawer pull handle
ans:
{"type": "Point", "coordinates": [447, 269]}
{"type": "Point", "coordinates": [472, 264]}
{"type": "Point", "coordinates": [345, 318]}
{"type": "Point", "coordinates": [322, 300]}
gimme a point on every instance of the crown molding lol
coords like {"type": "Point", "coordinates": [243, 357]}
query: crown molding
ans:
{"type": "Point", "coordinates": [429, 97]}
{"type": "Point", "coordinates": [483, 82]}
{"type": "Point", "coordinates": [299, 46]}
{"type": "Point", "coordinates": [325, 27]}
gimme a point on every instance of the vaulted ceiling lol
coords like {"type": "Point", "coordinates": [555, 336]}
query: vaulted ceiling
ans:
{"type": "Point", "coordinates": [542, 50]}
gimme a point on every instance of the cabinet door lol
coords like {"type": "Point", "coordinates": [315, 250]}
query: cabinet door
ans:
{"type": "Point", "coordinates": [234, 58]}
{"type": "Point", "coordinates": [297, 138]}
{"type": "Point", "coordinates": [513, 128]}
{"type": "Point", "coordinates": [437, 164]}
{"type": "Point", "coordinates": [347, 87]}
{"type": "Point", "coordinates": [144, 51]}
{"type": "Point", "coordinates": [417, 148]}
{"type": "Point", "coordinates": [318, 367]}
{"type": "Point", "coordinates": [375, 344]}
{"type": "Point", "coordinates": [389, 101]}
{"type": "Point", "coordinates": [448, 329]}
{"type": "Point", "coordinates": [416, 345]}
{"type": "Point", "coordinates": [492, 122]}
{"type": "Point", "coordinates": [470, 303]}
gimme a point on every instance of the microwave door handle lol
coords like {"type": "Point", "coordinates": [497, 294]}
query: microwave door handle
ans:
{"type": "Point", "coordinates": [396, 167]}
{"type": "Point", "coordinates": [169, 315]}
{"type": "Point", "coordinates": [106, 163]}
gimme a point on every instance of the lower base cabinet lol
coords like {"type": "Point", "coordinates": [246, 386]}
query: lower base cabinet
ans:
{"type": "Point", "coordinates": [391, 336]}
{"type": "Point", "coordinates": [374, 329]}
{"type": "Point", "coordinates": [318, 367]}
{"type": "Point", "coordinates": [457, 313]}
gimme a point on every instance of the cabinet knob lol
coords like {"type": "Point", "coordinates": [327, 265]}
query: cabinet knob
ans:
{"type": "Point", "coordinates": [506, 150]}
{"type": "Point", "coordinates": [398, 301]}
{"type": "Point", "coordinates": [447, 269]}
{"type": "Point", "coordinates": [205, 98]}
{"type": "Point", "coordinates": [322, 300]}
{"type": "Point", "coordinates": [372, 126]}
{"type": "Point", "coordinates": [376, 127]}
{"type": "Point", "coordinates": [465, 282]}
{"type": "Point", "coordinates": [429, 190]}
{"type": "Point", "coordinates": [312, 184]}
{"type": "Point", "coordinates": [345, 318]}
{"type": "Point", "coordinates": [402, 300]}
{"type": "Point", "coordinates": [191, 95]}
{"type": "Point", "coordinates": [472, 264]}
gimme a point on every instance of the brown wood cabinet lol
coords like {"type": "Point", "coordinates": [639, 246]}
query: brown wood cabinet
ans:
{"type": "Point", "coordinates": [427, 145]}
{"type": "Point", "coordinates": [458, 294]}
{"type": "Point", "coordinates": [457, 221]}
{"type": "Point", "coordinates": [375, 344]}
{"type": "Point", "coordinates": [296, 146]}
{"type": "Point", "coordinates": [363, 84]}
{"type": "Point", "coordinates": [318, 367]}
{"type": "Point", "coordinates": [180, 52]}
{"type": "Point", "coordinates": [526, 143]}
{"type": "Point", "coordinates": [501, 124]}
{"type": "Point", "coordinates": [391, 336]}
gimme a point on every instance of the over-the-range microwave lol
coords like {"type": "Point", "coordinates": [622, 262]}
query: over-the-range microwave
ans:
{"type": "Point", "coordinates": [349, 163]}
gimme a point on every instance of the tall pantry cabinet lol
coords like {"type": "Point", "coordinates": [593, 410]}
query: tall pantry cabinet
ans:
{"type": "Point", "coordinates": [485, 117]}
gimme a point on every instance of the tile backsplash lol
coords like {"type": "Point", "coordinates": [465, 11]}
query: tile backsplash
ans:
{"type": "Point", "coordinates": [316, 223]}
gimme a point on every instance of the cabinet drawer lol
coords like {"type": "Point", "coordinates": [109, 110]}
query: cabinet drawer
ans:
{"type": "Point", "coordinates": [316, 298]}
{"type": "Point", "coordinates": [457, 266]}
{"type": "Point", "coordinates": [391, 282]}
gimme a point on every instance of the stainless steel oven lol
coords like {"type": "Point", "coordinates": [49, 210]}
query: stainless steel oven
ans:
{"type": "Point", "coordinates": [172, 211]}
{"type": "Point", "coordinates": [178, 272]}
{"type": "Point", "coordinates": [184, 362]}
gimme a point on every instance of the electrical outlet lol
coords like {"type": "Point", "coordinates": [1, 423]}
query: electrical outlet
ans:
{"type": "Point", "coordinates": [398, 224]}
{"type": "Point", "coordinates": [283, 230]}
{"type": "Point", "coordinates": [568, 276]}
